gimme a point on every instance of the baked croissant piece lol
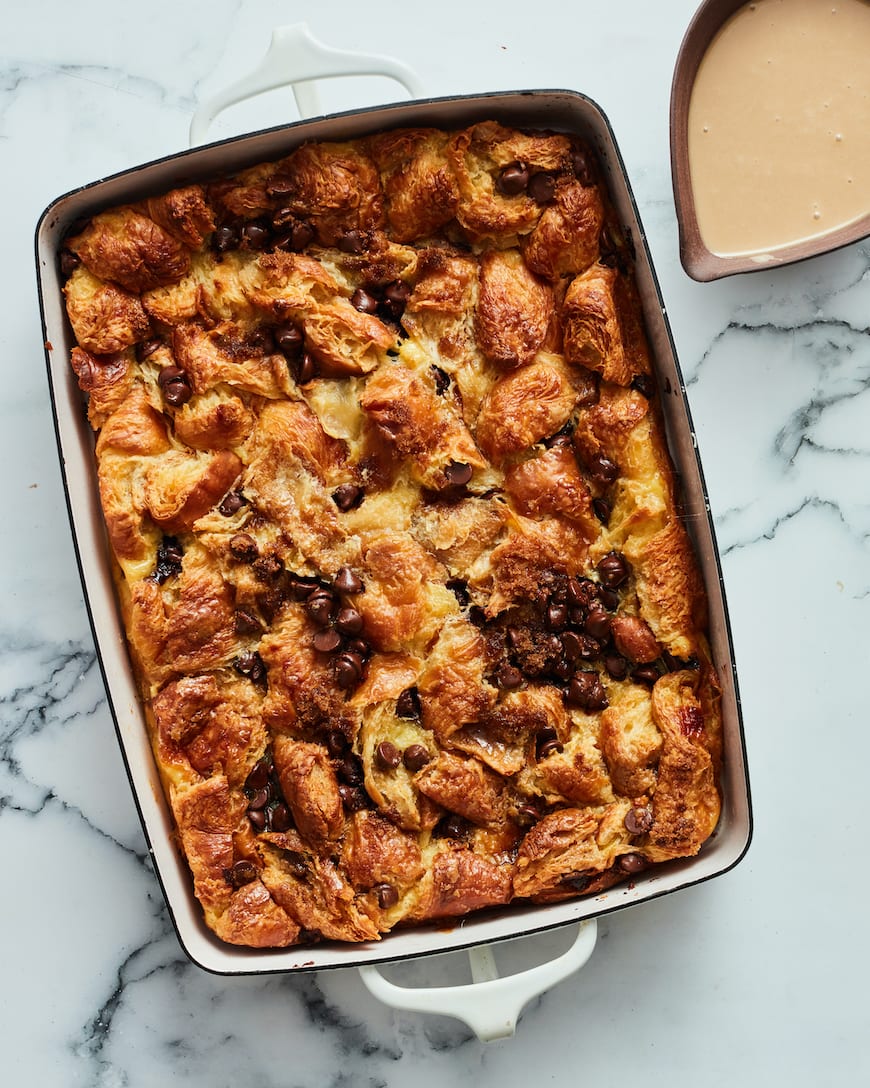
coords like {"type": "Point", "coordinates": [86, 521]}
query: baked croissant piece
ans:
{"type": "Point", "coordinates": [417, 626]}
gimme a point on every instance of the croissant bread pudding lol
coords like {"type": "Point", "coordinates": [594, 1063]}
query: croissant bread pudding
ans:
{"type": "Point", "coordinates": [416, 623]}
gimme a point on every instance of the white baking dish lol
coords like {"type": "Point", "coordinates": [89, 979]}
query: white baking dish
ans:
{"type": "Point", "coordinates": [491, 1005]}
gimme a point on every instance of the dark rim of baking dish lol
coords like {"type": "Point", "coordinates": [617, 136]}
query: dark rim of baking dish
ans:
{"type": "Point", "coordinates": [384, 112]}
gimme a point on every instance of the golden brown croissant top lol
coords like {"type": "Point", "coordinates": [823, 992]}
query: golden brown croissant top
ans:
{"type": "Point", "coordinates": [417, 627]}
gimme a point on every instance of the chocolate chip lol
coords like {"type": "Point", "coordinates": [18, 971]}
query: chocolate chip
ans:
{"type": "Point", "coordinates": [547, 742]}
{"type": "Point", "coordinates": [170, 374]}
{"type": "Point", "coordinates": [602, 471]}
{"type": "Point", "coordinates": [301, 586]}
{"type": "Point", "coordinates": [645, 384]}
{"type": "Point", "coordinates": [572, 645]}
{"type": "Point", "coordinates": [279, 186]}
{"type": "Point", "coordinates": [396, 295]}
{"type": "Point", "coordinates": [509, 678]}
{"type": "Point", "coordinates": [326, 641]}
{"type": "Point", "coordinates": [251, 665]}
{"type": "Point", "coordinates": [586, 691]}
{"type": "Point", "coordinates": [388, 755]}
{"type": "Point", "coordinates": [320, 606]}
{"type": "Point", "coordinates": [258, 819]}
{"type": "Point", "coordinates": [477, 616]}
{"type": "Point", "coordinates": [577, 882]}
{"type": "Point", "coordinates": [442, 379]}
{"type": "Point", "coordinates": [268, 568]}
{"type": "Point", "coordinates": [260, 799]}
{"type": "Point", "coordinates": [613, 570]}
{"type": "Point", "coordinates": [354, 798]}
{"type": "Point", "coordinates": [289, 339]}
{"type": "Point", "coordinates": [364, 302]}
{"type": "Point", "coordinates": [513, 179]}
{"type": "Point", "coordinates": [616, 666]}
{"type": "Point", "coordinates": [283, 215]}
{"type": "Point", "coordinates": [459, 588]}
{"type": "Point", "coordinates": [352, 241]}
{"type": "Point", "coordinates": [243, 547]}
{"type": "Point", "coordinates": [387, 896]}
{"type": "Point", "coordinates": [232, 502]}
{"type": "Point", "coordinates": [542, 187]}
{"type": "Point", "coordinates": [175, 386]}
{"type": "Point", "coordinates": [297, 864]}
{"type": "Point", "coordinates": [563, 670]}
{"type": "Point", "coordinates": [359, 647]}
{"type": "Point", "coordinates": [243, 872]}
{"type": "Point", "coordinates": [348, 670]}
{"type": "Point", "coordinates": [146, 348]}
{"type": "Point", "coordinates": [255, 235]}
{"type": "Point", "coordinates": [632, 863]}
{"type": "Point", "coordinates": [451, 827]}
{"type": "Point", "coordinates": [307, 368]}
{"type": "Point", "coordinates": [350, 770]}
{"type": "Point", "coordinates": [609, 598]}
{"type": "Point", "coordinates": [349, 621]}
{"type": "Point", "coordinates": [415, 757]}
{"type": "Point", "coordinates": [262, 339]}
{"type": "Point", "coordinates": [246, 622]}
{"type": "Point", "coordinates": [557, 617]}
{"type": "Point", "coordinates": [678, 664]}
{"type": "Point", "coordinates": [169, 558]}
{"type": "Point", "coordinates": [259, 777]}
{"type": "Point", "coordinates": [645, 674]}
{"type": "Point", "coordinates": [280, 817]}
{"type": "Point", "coordinates": [408, 704]}
{"type": "Point", "coordinates": [590, 648]}
{"type": "Point", "coordinates": [458, 473]}
{"type": "Point", "coordinates": [638, 820]}
{"type": "Point", "coordinates": [551, 645]}
{"type": "Point", "coordinates": [597, 624]}
{"type": "Point", "coordinates": [69, 262]}
{"type": "Point", "coordinates": [555, 583]}
{"type": "Point", "coordinates": [581, 166]}
{"type": "Point", "coordinates": [347, 496]}
{"type": "Point", "coordinates": [177, 394]}
{"type": "Point", "coordinates": [347, 582]}
{"type": "Point", "coordinates": [224, 238]}
{"type": "Point", "coordinates": [301, 236]}
{"type": "Point", "coordinates": [601, 509]}
{"type": "Point", "coordinates": [336, 743]}
{"type": "Point", "coordinates": [582, 592]}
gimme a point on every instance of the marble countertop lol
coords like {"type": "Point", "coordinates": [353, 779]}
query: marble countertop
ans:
{"type": "Point", "coordinates": [757, 977]}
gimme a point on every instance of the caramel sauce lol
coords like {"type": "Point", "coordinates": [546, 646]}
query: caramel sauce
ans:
{"type": "Point", "coordinates": [779, 125]}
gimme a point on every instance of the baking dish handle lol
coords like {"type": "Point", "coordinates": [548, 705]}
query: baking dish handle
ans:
{"type": "Point", "coordinates": [296, 57]}
{"type": "Point", "coordinates": [489, 1005]}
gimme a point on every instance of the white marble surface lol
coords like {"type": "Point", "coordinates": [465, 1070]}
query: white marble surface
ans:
{"type": "Point", "coordinates": [756, 978]}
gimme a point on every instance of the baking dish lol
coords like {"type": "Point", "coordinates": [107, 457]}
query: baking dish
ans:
{"type": "Point", "coordinates": [493, 1009]}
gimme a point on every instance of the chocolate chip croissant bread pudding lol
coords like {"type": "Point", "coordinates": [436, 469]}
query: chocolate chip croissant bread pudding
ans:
{"type": "Point", "coordinates": [416, 623]}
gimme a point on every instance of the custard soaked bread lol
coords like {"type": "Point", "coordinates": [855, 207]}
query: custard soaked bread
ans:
{"type": "Point", "coordinates": [417, 627]}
